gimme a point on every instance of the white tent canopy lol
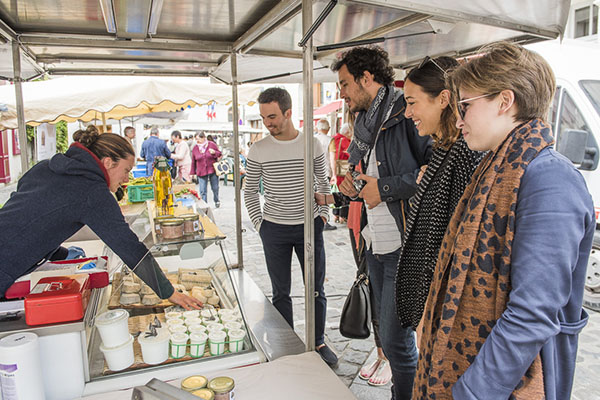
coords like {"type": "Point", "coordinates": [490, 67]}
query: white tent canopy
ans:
{"type": "Point", "coordinates": [87, 98]}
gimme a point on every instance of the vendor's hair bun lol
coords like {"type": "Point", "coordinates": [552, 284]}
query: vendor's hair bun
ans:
{"type": "Point", "coordinates": [87, 137]}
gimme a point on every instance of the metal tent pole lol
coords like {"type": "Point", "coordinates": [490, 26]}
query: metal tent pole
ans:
{"type": "Point", "coordinates": [16, 53]}
{"type": "Point", "coordinates": [309, 251]}
{"type": "Point", "coordinates": [237, 184]}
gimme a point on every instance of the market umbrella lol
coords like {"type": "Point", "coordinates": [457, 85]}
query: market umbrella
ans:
{"type": "Point", "coordinates": [88, 98]}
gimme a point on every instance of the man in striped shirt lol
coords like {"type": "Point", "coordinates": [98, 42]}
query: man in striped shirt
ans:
{"type": "Point", "coordinates": [278, 160]}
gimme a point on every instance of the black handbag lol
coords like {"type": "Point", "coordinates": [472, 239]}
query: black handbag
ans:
{"type": "Point", "coordinates": [355, 320]}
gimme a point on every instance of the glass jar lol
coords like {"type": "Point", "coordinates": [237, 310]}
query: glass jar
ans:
{"type": "Point", "coordinates": [191, 223]}
{"type": "Point", "coordinates": [172, 228]}
{"type": "Point", "coordinates": [223, 387]}
{"type": "Point", "coordinates": [194, 382]}
{"type": "Point", "coordinates": [158, 220]}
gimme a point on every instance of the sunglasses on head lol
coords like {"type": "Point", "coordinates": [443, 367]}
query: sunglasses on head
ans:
{"type": "Point", "coordinates": [429, 59]}
{"type": "Point", "coordinates": [462, 106]}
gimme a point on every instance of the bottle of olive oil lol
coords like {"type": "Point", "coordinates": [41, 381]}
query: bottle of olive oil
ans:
{"type": "Point", "coordinates": [163, 187]}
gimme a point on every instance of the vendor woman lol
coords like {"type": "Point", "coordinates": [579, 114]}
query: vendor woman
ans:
{"type": "Point", "coordinates": [57, 197]}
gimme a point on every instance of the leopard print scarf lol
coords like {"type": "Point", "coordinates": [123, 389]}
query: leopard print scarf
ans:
{"type": "Point", "coordinates": [471, 282]}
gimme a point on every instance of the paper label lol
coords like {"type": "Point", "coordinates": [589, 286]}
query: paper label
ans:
{"type": "Point", "coordinates": [8, 381]}
{"type": "Point", "coordinates": [196, 226]}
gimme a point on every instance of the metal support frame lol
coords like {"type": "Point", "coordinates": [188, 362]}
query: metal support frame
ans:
{"type": "Point", "coordinates": [16, 53]}
{"type": "Point", "coordinates": [237, 184]}
{"type": "Point", "coordinates": [277, 16]}
{"type": "Point", "coordinates": [409, 5]}
{"type": "Point", "coordinates": [87, 41]}
{"type": "Point", "coordinates": [309, 229]}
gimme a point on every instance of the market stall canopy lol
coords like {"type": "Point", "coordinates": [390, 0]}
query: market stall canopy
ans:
{"type": "Point", "coordinates": [196, 37]}
{"type": "Point", "coordinates": [87, 98]}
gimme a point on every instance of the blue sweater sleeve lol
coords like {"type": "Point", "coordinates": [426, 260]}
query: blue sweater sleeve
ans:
{"type": "Point", "coordinates": [552, 209]}
{"type": "Point", "coordinates": [104, 217]}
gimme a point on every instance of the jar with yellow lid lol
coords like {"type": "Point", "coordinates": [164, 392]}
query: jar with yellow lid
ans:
{"type": "Point", "coordinates": [223, 387]}
{"type": "Point", "coordinates": [191, 223]}
{"type": "Point", "coordinates": [172, 228]}
{"type": "Point", "coordinates": [194, 382]}
{"type": "Point", "coordinates": [205, 394]}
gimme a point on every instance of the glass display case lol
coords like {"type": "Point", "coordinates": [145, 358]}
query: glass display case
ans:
{"type": "Point", "coordinates": [195, 264]}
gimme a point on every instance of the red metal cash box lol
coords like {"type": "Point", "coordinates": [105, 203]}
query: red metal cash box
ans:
{"type": "Point", "coordinates": [57, 299]}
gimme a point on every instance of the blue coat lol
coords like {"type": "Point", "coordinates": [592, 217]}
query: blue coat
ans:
{"type": "Point", "coordinates": [151, 148]}
{"type": "Point", "coordinates": [554, 230]}
{"type": "Point", "coordinates": [54, 199]}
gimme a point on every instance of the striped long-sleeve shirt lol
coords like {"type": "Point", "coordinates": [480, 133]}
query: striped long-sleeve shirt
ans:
{"type": "Point", "coordinates": [280, 164]}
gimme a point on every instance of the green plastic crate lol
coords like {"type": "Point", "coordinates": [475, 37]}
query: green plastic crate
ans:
{"type": "Point", "coordinates": [139, 193]}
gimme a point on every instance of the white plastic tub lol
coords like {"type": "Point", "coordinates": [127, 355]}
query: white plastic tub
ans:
{"type": "Point", "coordinates": [119, 357]}
{"type": "Point", "coordinates": [232, 325]}
{"type": "Point", "coordinates": [198, 343]}
{"type": "Point", "coordinates": [179, 344]}
{"type": "Point", "coordinates": [113, 328]}
{"type": "Point", "coordinates": [216, 339]}
{"type": "Point", "coordinates": [155, 349]}
{"type": "Point", "coordinates": [197, 328]}
{"type": "Point", "coordinates": [236, 340]}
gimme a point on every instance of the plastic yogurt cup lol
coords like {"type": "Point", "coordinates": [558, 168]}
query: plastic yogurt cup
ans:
{"type": "Point", "coordinates": [232, 325]}
{"type": "Point", "coordinates": [178, 344]}
{"type": "Point", "coordinates": [191, 314]}
{"type": "Point", "coordinates": [197, 328]}
{"type": "Point", "coordinates": [173, 314]}
{"type": "Point", "coordinates": [174, 321]}
{"type": "Point", "coordinates": [216, 340]}
{"type": "Point", "coordinates": [198, 343]}
{"type": "Point", "coordinates": [193, 321]}
{"type": "Point", "coordinates": [215, 326]}
{"type": "Point", "coordinates": [178, 328]}
{"type": "Point", "coordinates": [236, 340]}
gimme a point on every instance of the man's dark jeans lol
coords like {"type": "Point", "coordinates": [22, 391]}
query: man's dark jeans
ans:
{"type": "Point", "coordinates": [398, 343]}
{"type": "Point", "coordinates": [278, 242]}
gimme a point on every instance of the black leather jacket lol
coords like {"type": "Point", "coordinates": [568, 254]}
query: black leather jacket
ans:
{"type": "Point", "coordinates": [400, 152]}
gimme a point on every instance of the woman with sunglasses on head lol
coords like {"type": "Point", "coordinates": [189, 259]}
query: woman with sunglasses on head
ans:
{"type": "Point", "coordinates": [504, 308]}
{"type": "Point", "coordinates": [431, 106]}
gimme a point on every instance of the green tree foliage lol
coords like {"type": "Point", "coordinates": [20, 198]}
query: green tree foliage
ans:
{"type": "Point", "coordinates": [62, 137]}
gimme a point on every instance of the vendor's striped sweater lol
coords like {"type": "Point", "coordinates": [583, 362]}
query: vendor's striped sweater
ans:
{"type": "Point", "coordinates": [280, 164]}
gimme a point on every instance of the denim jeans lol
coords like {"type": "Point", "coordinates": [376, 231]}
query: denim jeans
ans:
{"type": "Point", "coordinates": [278, 242]}
{"type": "Point", "coordinates": [398, 343]}
{"type": "Point", "coordinates": [214, 185]}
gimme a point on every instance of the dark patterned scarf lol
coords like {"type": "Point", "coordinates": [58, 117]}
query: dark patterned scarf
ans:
{"type": "Point", "coordinates": [365, 127]}
{"type": "Point", "coordinates": [445, 179]}
{"type": "Point", "coordinates": [475, 259]}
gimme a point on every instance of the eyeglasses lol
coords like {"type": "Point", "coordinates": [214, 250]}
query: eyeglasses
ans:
{"type": "Point", "coordinates": [428, 59]}
{"type": "Point", "coordinates": [462, 108]}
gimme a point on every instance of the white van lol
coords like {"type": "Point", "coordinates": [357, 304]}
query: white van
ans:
{"type": "Point", "coordinates": [575, 118]}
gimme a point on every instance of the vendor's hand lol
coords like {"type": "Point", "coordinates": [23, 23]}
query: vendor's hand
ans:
{"type": "Point", "coordinates": [185, 301]}
{"type": "Point", "coordinates": [75, 252]}
{"type": "Point", "coordinates": [347, 187]}
{"type": "Point", "coordinates": [370, 192]}
{"type": "Point", "coordinates": [421, 173]}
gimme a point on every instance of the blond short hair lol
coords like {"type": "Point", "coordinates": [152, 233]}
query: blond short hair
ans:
{"type": "Point", "coordinates": [509, 66]}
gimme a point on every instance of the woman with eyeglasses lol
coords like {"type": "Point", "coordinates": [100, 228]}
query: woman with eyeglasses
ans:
{"type": "Point", "coordinates": [432, 108]}
{"type": "Point", "coordinates": [505, 306]}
